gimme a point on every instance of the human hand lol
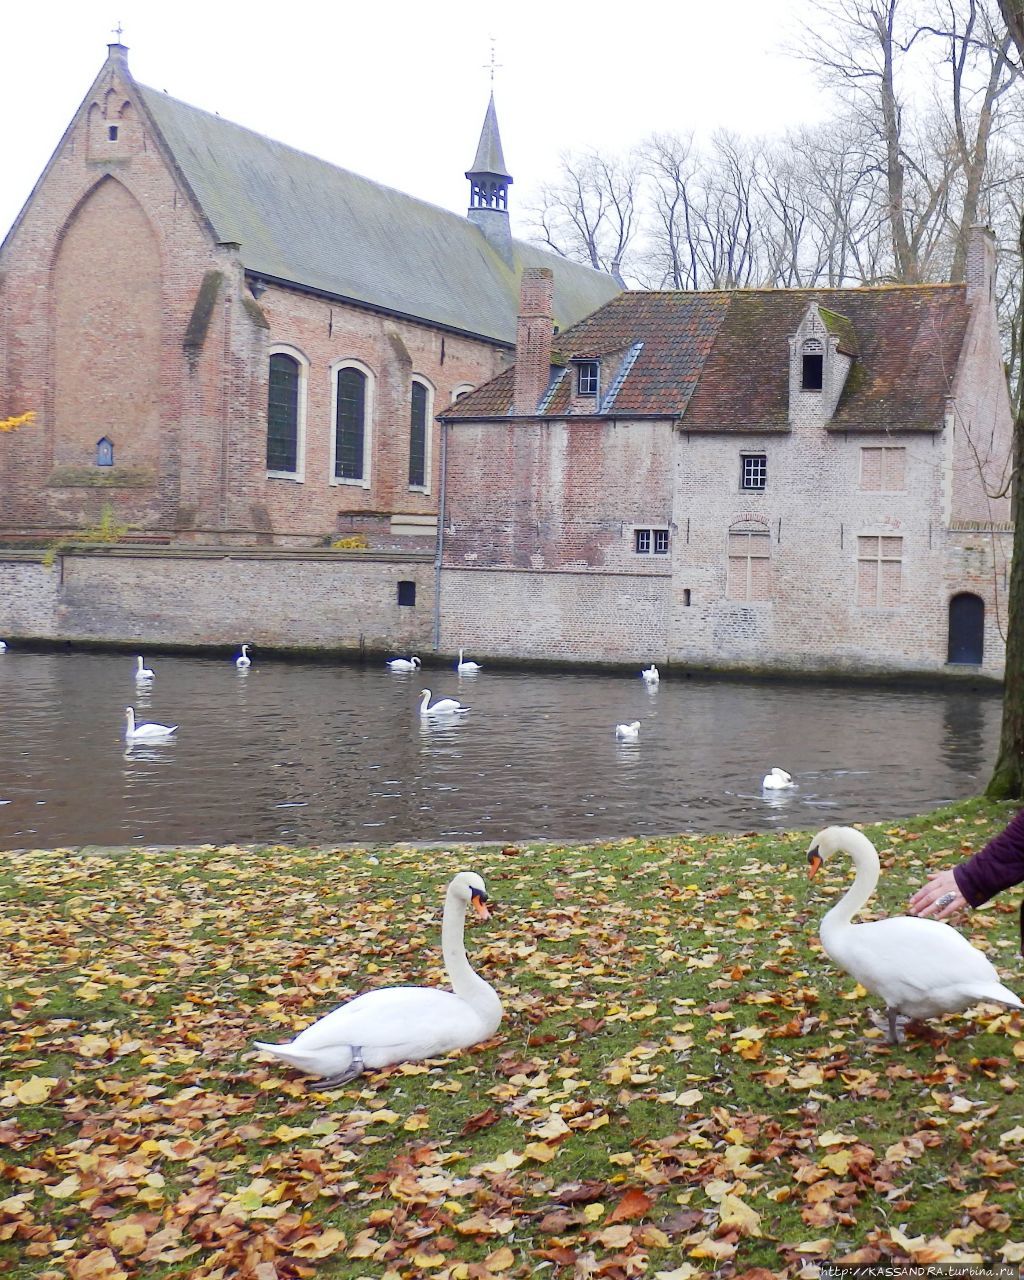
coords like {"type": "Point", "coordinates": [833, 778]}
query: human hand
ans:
{"type": "Point", "coordinates": [940, 897]}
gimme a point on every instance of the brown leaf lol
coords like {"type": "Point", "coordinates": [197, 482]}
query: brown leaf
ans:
{"type": "Point", "coordinates": [481, 1121]}
{"type": "Point", "coordinates": [580, 1192]}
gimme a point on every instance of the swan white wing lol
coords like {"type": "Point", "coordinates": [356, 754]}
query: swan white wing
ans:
{"type": "Point", "coordinates": [921, 967]}
{"type": "Point", "coordinates": [445, 706]}
{"type": "Point", "coordinates": [420, 1020]}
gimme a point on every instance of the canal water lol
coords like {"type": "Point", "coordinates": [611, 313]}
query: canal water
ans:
{"type": "Point", "coordinates": [298, 753]}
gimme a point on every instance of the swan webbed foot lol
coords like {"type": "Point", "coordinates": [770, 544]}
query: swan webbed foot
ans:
{"type": "Point", "coordinates": [355, 1068]}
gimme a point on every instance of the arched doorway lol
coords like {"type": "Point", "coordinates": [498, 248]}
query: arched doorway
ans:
{"type": "Point", "coordinates": [966, 629]}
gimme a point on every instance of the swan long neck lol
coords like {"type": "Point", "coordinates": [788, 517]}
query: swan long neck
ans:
{"type": "Point", "coordinates": [466, 982]}
{"type": "Point", "coordinates": [865, 859]}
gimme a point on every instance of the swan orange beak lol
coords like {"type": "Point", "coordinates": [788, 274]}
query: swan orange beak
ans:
{"type": "Point", "coordinates": [814, 861]}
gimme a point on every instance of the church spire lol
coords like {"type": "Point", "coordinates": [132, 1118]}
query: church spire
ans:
{"type": "Point", "coordinates": [489, 182]}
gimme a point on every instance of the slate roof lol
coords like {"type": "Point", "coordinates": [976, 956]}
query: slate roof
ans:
{"type": "Point", "coordinates": [719, 361]}
{"type": "Point", "coordinates": [301, 220]}
{"type": "Point", "coordinates": [489, 157]}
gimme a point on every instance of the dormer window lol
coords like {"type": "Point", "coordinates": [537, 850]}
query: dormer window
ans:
{"type": "Point", "coordinates": [812, 365]}
{"type": "Point", "coordinates": [587, 377]}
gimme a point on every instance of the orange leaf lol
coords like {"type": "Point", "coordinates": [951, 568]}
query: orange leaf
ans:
{"type": "Point", "coordinates": [634, 1204]}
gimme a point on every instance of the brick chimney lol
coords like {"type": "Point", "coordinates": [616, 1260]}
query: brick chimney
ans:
{"type": "Point", "coordinates": [980, 273]}
{"type": "Point", "coordinates": [533, 339]}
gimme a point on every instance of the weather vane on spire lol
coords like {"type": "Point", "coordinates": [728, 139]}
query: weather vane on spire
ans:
{"type": "Point", "coordinates": [492, 66]}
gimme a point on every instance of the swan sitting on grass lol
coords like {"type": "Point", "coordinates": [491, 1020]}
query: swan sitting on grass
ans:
{"type": "Point", "coordinates": [920, 968]}
{"type": "Point", "coordinates": [404, 664]}
{"type": "Point", "coordinates": [148, 732]}
{"type": "Point", "coordinates": [404, 1024]}
{"type": "Point", "coordinates": [628, 732]}
{"type": "Point", "coordinates": [143, 675]}
{"type": "Point", "coordinates": [442, 707]}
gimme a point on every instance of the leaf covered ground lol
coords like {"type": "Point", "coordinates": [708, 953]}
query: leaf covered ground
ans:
{"type": "Point", "coordinates": [683, 1085]}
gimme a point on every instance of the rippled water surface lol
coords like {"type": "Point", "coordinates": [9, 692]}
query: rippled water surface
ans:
{"type": "Point", "coordinates": [307, 753]}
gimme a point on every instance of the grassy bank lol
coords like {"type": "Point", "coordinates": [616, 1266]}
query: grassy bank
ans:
{"type": "Point", "coordinates": [682, 1085]}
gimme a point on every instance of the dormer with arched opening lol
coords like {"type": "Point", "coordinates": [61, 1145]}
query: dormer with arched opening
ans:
{"type": "Point", "coordinates": [821, 354]}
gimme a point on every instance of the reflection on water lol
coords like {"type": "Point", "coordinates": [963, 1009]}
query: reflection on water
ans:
{"type": "Point", "coordinates": [316, 753]}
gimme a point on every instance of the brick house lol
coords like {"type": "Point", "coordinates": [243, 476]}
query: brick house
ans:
{"type": "Point", "coordinates": [800, 480]}
{"type": "Point", "coordinates": [231, 342]}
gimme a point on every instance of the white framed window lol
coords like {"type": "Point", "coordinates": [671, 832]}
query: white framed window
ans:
{"type": "Point", "coordinates": [879, 571]}
{"type": "Point", "coordinates": [883, 469]}
{"type": "Point", "coordinates": [812, 365]}
{"type": "Point", "coordinates": [463, 389]}
{"type": "Point", "coordinates": [753, 470]}
{"type": "Point", "coordinates": [749, 563]}
{"type": "Point", "coordinates": [352, 386]}
{"type": "Point", "coordinates": [287, 383]}
{"type": "Point", "coordinates": [421, 415]}
{"type": "Point", "coordinates": [587, 377]}
{"type": "Point", "coordinates": [650, 542]}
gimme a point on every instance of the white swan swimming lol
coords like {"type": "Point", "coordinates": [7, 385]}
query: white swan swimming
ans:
{"type": "Point", "coordinates": [462, 665]}
{"type": "Point", "coordinates": [651, 674]}
{"type": "Point", "coordinates": [3, 646]}
{"type": "Point", "coordinates": [243, 662]}
{"type": "Point", "coordinates": [442, 707]}
{"type": "Point", "coordinates": [147, 732]}
{"type": "Point", "coordinates": [777, 780]}
{"type": "Point", "coordinates": [405, 1024]}
{"type": "Point", "coordinates": [143, 675]}
{"type": "Point", "coordinates": [404, 664]}
{"type": "Point", "coordinates": [628, 732]}
{"type": "Point", "coordinates": [920, 968]}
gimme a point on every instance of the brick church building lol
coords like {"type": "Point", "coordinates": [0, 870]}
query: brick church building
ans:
{"type": "Point", "coordinates": [230, 342]}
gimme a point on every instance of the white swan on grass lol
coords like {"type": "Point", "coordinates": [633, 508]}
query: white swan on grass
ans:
{"type": "Point", "coordinates": [628, 732]}
{"type": "Point", "coordinates": [462, 665]}
{"type": "Point", "coordinates": [404, 1024]}
{"type": "Point", "coordinates": [442, 707]}
{"type": "Point", "coordinates": [651, 674]}
{"type": "Point", "coordinates": [777, 780]}
{"type": "Point", "coordinates": [243, 662]}
{"type": "Point", "coordinates": [143, 675]}
{"type": "Point", "coordinates": [920, 968]}
{"type": "Point", "coordinates": [147, 732]}
{"type": "Point", "coordinates": [404, 664]}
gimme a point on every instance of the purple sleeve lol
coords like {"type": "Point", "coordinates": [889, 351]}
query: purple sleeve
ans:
{"type": "Point", "coordinates": [997, 866]}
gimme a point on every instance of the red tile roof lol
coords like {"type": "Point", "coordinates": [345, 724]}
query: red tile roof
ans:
{"type": "Point", "coordinates": [720, 361]}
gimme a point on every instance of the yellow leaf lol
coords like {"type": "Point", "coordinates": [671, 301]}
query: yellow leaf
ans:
{"type": "Point", "coordinates": [322, 1246]}
{"type": "Point", "coordinates": [500, 1260]}
{"type": "Point", "coordinates": [540, 1151]}
{"type": "Point", "coordinates": [737, 1157]}
{"type": "Point", "coordinates": [686, 1272]}
{"type": "Point", "coordinates": [615, 1237]}
{"type": "Point", "coordinates": [819, 1248]}
{"type": "Point", "coordinates": [960, 1106]}
{"type": "Point", "coordinates": [286, 1132]}
{"type": "Point", "coordinates": [1012, 1252]}
{"type": "Point", "coordinates": [383, 1116]}
{"type": "Point", "coordinates": [735, 1213]}
{"type": "Point", "coordinates": [66, 1188]}
{"type": "Point", "coordinates": [593, 1212]}
{"type": "Point", "coordinates": [428, 1260]}
{"type": "Point", "coordinates": [91, 1046]}
{"type": "Point", "coordinates": [127, 1236]}
{"type": "Point", "coordinates": [689, 1098]}
{"type": "Point", "coordinates": [35, 1090]}
{"type": "Point", "coordinates": [831, 1139]}
{"type": "Point", "coordinates": [500, 1164]}
{"type": "Point", "coordinates": [1012, 1136]}
{"type": "Point", "coordinates": [838, 1161]}
{"type": "Point", "coordinates": [552, 1128]}
{"type": "Point", "coordinates": [418, 1120]}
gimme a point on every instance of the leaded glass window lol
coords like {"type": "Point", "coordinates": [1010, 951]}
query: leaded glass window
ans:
{"type": "Point", "coordinates": [418, 437]}
{"type": "Point", "coordinates": [283, 414]}
{"type": "Point", "coordinates": [350, 424]}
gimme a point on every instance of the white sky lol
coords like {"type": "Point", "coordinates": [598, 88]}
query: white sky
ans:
{"type": "Point", "coordinates": [397, 90]}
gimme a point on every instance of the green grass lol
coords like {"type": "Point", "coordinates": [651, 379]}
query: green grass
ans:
{"type": "Point", "coordinates": [682, 1082]}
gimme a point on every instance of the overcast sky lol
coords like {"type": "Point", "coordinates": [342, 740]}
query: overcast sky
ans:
{"type": "Point", "coordinates": [397, 91]}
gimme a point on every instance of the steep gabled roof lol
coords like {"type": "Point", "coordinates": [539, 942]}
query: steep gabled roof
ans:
{"type": "Point", "coordinates": [719, 361]}
{"type": "Point", "coordinates": [303, 221]}
{"type": "Point", "coordinates": [489, 157]}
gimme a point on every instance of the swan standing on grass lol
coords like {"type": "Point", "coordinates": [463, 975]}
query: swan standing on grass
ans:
{"type": "Point", "coordinates": [147, 732]}
{"type": "Point", "coordinates": [404, 1024]}
{"type": "Point", "coordinates": [920, 968]}
{"type": "Point", "coordinates": [243, 662]}
{"type": "Point", "coordinates": [628, 732]}
{"type": "Point", "coordinates": [404, 664]}
{"type": "Point", "coordinates": [442, 707]}
{"type": "Point", "coordinates": [463, 666]}
{"type": "Point", "coordinates": [143, 675]}
{"type": "Point", "coordinates": [777, 780]}
{"type": "Point", "coordinates": [651, 674]}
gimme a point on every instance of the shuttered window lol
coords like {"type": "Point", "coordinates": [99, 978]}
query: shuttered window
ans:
{"type": "Point", "coordinates": [418, 437]}
{"type": "Point", "coordinates": [350, 425]}
{"type": "Point", "coordinates": [749, 575]}
{"type": "Point", "coordinates": [283, 414]}
{"type": "Point", "coordinates": [879, 572]}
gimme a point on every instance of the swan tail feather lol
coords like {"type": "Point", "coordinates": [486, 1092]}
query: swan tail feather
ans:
{"type": "Point", "coordinates": [316, 1062]}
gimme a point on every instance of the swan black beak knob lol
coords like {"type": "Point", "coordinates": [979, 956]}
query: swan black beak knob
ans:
{"type": "Point", "coordinates": [814, 861]}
